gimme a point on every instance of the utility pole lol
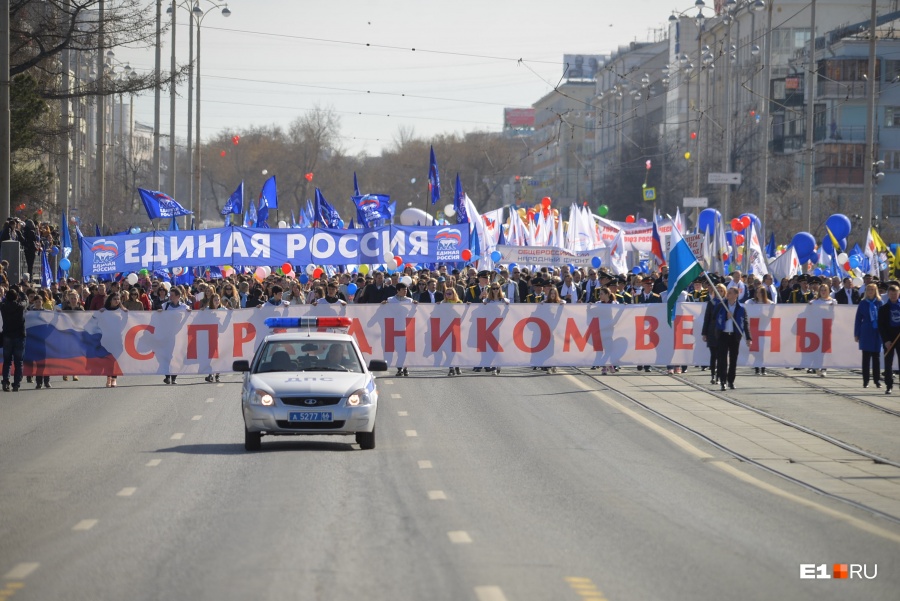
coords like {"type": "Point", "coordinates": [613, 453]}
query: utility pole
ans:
{"type": "Point", "coordinates": [157, 91]}
{"type": "Point", "coordinates": [767, 122]}
{"type": "Point", "coordinates": [806, 213]}
{"type": "Point", "coordinates": [172, 162]}
{"type": "Point", "coordinates": [5, 199]}
{"type": "Point", "coordinates": [871, 157]}
{"type": "Point", "coordinates": [101, 115]}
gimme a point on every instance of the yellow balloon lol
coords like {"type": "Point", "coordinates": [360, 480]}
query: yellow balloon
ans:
{"type": "Point", "coordinates": [687, 156]}
{"type": "Point", "coordinates": [521, 213]}
{"type": "Point", "coordinates": [364, 269]}
{"type": "Point", "coordinates": [556, 212]}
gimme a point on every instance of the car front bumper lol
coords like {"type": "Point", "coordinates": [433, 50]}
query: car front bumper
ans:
{"type": "Point", "coordinates": [274, 420]}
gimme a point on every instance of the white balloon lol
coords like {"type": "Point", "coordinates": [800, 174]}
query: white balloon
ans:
{"type": "Point", "coordinates": [842, 258]}
{"type": "Point", "coordinates": [406, 280]}
{"type": "Point", "coordinates": [267, 269]}
{"type": "Point", "coordinates": [132, 279]}
{"type": "Point", "coordinates": [282, 224]}
{"type": "Point", "coordinates": [858, 282]}
{"type": "Point", "coordinates": [265, 172]}
{"type": "Point", "coordinates": [389, 259]}
{"type": "Point", "coordinates": [310, 269]}
{"type": "Point", "coordinates": [449, 211]}
{"type": "Point", "coordinates": [166, 285]}
{"type": "Point", "coordinates": [414, 216]}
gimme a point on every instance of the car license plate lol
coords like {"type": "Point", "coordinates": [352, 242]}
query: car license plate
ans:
{"type": "Point", "coordinates": [310, 416]}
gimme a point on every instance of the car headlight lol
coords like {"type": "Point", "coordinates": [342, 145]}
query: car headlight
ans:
{"type": "Point", "coordinates": [360, 397]}
{"type": "Point", "coordinates": [261, 397]}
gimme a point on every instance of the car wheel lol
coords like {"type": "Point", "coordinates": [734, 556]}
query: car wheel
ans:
{"type": "Point", "coordinates": [366, 440]}
{"type": "Point", "coordinates": [252, 440]}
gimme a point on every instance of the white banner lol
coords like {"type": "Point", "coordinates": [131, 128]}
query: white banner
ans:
{"type": "Point", "coordinates": [549, 256]}
{"type": "Point", "coordinates": [203, 342]}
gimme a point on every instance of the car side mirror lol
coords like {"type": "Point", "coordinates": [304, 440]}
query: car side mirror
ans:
{"type": "Point", "coordinates": [376, 365]}
{"type": "Point", "coordinates": [241, 365]}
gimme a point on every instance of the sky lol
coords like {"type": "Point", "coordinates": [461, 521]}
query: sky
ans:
{"type": "Point", "coordinates": [272, 60]}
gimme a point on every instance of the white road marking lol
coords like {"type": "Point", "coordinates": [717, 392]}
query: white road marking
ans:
{"type": "Point", "coordinates": [177, 436]}
{"type": "Point", "coordinates": [210, 399]}
{"type": "Point", "coordinates": [489, 593]}
{"type": "Point", "coordinates": [411, 433]}
{"type": "Point", "coordinates": [220, 385]}
{"type": "Point", "coordinates": [126, 492]}
{"type": "Point", "coordinates": [21, 571]}
{"type": "Point", "coordinates": [196, 418]}
{"type": "Point", "coordinates": [425, 465]}
{"type": "Point", "coordinates": [388, 381]}
{"type": "Point", "coordinates": [85, 525]}
{"type": "Point", "coordinates": [459, 537]}
{"type": "Point", "coordinates": [154, 462]}
{"type": "Point", "coordinates": [394, 395]}
{"type": "Point", "coordinates": [437, 495]}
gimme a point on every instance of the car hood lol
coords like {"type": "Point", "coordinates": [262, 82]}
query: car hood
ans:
{"type": "Point", "coordinates": [331, 383]}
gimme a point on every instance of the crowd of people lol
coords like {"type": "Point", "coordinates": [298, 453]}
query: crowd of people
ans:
{"type": "Point", "coordinates": [724, 326]}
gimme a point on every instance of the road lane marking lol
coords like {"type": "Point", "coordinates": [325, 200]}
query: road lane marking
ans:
{"type": "Point", "coordinates": [85, 525]}
{"type": "Point", "coordinates": [154, 462]}
{"type": "Point", "coordinates": [196, 418]}
{"type": "Point", "coordinates": [586, 588]}
{"type": "Point", "coordinates": [688, 447]}
{"type": "Point", "coordinates": [394, 395]}
{"type": "Point", "coordinates": [489, 593]}
{"type": "Point", "coordinates": [21, 572]}
{"type": "Point", "coordinates": [388, 381]}
{"type": "Point", "coordinates": [403, 413]}
{"type": "Point", "coordinates": [437, 495]}
{"type": "Point", "coordinates": [411, 433]}
{"type": "Point", "coordinates": [210, 400]}
{"type": "Point", "coordinates": [177, 436]}
{"type": "Point", "coordinates": [126, 492]}
{"type": "Point", "coordinates": [425, 465]}
{"type": "Point", "coordinates": [220, 385]}
{"type": "Point", "coordinates": [459, 537]}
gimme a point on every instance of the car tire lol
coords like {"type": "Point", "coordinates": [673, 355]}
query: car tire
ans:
{"type": "Point", "coordinates": [366, 440]}
{"type": "Point", "coordinates": [252, 440]}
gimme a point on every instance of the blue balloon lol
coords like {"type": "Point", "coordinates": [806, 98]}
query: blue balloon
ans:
{"type": "Point", "coordinates": [804, 244]}
{"type": "Point", "coordinates": [496, 256]}
{"type": "Point", "coordinates": [595, 262]}
{"type": "Point", "coordinates": [304, 278]}
{"type": "Point", "coordinates": [636, 269]}
{"type": "Point", "coordinates": [839, 225]}
{"type": "Point", "coordinates": [708, 219]}
{"type": "Point", "coordinates": [827, 245]}
{"type": "Point", "coordinates": [54, 251]}
{"type": "Point", "coordinates": [352, 288]}
{"type": "Point", "coordinates": [65, 264]}
{"type": "Point", "coordinates": [817, 271]}
{"type": "Point", "coordinates": [513, 266]}
{"type": "Point", "coordinates": [854, 261]}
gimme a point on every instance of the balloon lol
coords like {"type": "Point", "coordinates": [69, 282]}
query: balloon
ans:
{"type": "Point", "coordinates": [166, 285]}
{"type": "Point", "coordinates": [858, 282]}
{"type": "Point", "coordinates": [141, 272]}
{"type": "Point", "coordinates": [223, 153]}
{"type": "Point", "coordinates": [687, 156]}
{"type": "Point", "coordinates": [642, 220]}
{"type": "Point", "coordinates": [449, 211]}
{"type": "Point", "coordinates": [54, 251]}
{"type": "Point", "coordinates": [467, 254]}
{"type": "Point", "coordinates": [846, 266]}
{"type": "Point", "coordinates": [854, 261]}
{"type": "Point", "coordinates": [260, 273]}
{"type": "Point", "coordinates": [545, 202]}
{"type": "Point", "coordinates": [265, 172]}
{"type": "Point", "coordinates": [842, 258]}
{"type": "Point", "coordinates": [839, 225]}
{"type": "Point", "coordinates": [398, 260]}
{"type": "Point", "coordinates": [636, 269]}
{"type": "Point", "coordinates": [267, 269]}
{"type": "Point", "coordinates": [282, 224]}
{"type": "Point", "coordinates": [817, 271]}
{"type": "Point", "coordinates": [745, 222]}
{"type": "Point", "coordinates": [310, 269]}
{"type": "Point", "coordinates": [304, 278]}
{"type": "Point", "coordinates": [352, 288]}
{"type": "Point", "coordinates": [40, 211]}
{"type": "Point", "coordinates": [235, 140]}
{"type": "Point", "coordinates": [309, 177]}
{"type": "Point", "coordinates": [132, 279]}
{"type": "Point", "coordinates": [754, 220]}
{"type": "Point", "coordinates": [496, 256]}
{"type": "Point", "coordinates": [629, 219]}
{"type": "Point", "coordinates": [595, 262]}
{"type": "Point", "coordinates": [406, 280]}
{"type": "Point", "coordinates": [364, 269]}
{"type": "Point", "coordinates": [287, 267]}
{"type": "Point", "coordinates": [739, 239]}
{"type": "Point", "coordinates": [708, 219]}
{"type": "Point", "coordinates": [804, 243]}
{"type": "Point", "coordinates": [318, 273]}
{"type": "Point", "coordinates": [603, 210]}
{"type": "Point", "coordinates": [736, 225]}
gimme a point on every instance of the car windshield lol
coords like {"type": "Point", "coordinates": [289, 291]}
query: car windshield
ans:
{"type": "Point", "coordinates": [309, 355]}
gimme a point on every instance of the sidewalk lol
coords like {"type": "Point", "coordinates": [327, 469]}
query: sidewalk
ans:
{"type": "Point", "coordinates": [777, 446]}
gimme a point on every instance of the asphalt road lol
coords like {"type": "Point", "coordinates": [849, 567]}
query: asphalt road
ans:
{"type": "Point", "coordinates": [524, 486]}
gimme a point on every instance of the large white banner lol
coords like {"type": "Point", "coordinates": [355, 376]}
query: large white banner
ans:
{"type": "Point", "coordinates": [205, 342]}
{"type": "Point", "coordinates": [546, 256]}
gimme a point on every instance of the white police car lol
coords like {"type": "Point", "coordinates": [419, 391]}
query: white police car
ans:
{"type": "Point", "coordinates": [309, 383]}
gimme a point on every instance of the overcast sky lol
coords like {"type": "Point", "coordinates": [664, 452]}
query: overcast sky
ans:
{"type": "Point", "coordinates": [261, 65]}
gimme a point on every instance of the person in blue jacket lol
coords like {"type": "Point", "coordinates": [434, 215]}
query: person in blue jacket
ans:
{"type": "Point", "coordinates": [865, 331]}
{"type": "Point", "coordinates": [731, 325]}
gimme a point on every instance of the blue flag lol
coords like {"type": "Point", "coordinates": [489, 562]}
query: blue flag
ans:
{"type": "Point", "coordinates": [46, 274]}
{"type": "Point", "coordinates": [355, 185]}
{"type": "Point", "coordinates": [326, 215]}
{"type": "Point", "coordinates": [770, 247]}
{"type": "Point", "coordinates": [235, 203]}
{"type": "Point", "coordinates": [372, 208]}
{"type": "Point", "coordinates": [65, 237]}
{"type": "Point", "coordinates": [683, 269]}
{"type": "Point", "coordinates": [434, 179]}
{"type": "Point", "coordinates": [250, 217]}
{"type": "Point", "coordinates": [393, 210]}
{"type": "Point", "coordinates": [459, 203]}
{"type": "Point", "coordinates": [160, 205]}
{"type": "Point", "coordinates": [268, 199]}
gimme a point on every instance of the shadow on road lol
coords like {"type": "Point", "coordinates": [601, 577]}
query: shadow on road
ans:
{"type": "Point", "coordinates": [268, 445]}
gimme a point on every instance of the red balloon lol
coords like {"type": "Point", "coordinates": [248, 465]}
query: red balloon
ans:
{"type": "Point", "coordinates": [40, 211]}
{"type": "Point", "coordinates": [545, 202]}
{"type": "Point", "coordinates": [317, 272]}
{"type": "Point", "coordinates": [745, 221]}
{"type": "Point", "coordinates": [546, 211]}
{"type": "Point", "coordinates": [736, 224]}
{"type": "Point", "coordinates": [235, 140]}
{"type": "Point", "coordinates": [629, 219]}
{"type": "Point", "coordinates": [847, 266]}
{"type": "Point", "coordinates": [22, 207]}
{"type": "Point", "coordinates": [286, 268]}
{"type": "Point", "coordinates": [309, 177]}
{"type": "Point", "coordinates": [467, 254]}
{"type": "Point", "coordinates": [739, 239]}
{"type": "Point", "coordinates": [221, 154]}
{"type": "Point", "coordinates": [398, 260]}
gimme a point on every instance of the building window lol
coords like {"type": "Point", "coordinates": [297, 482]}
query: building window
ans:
{"type": "Point", "coordinates": [892, 116]}
{"type": "Point", "coordinates": [892, 160]}
{"type": "Point", "coordinates": [890, 204]}
{"type": "Point", "coordinates": [892, 71]}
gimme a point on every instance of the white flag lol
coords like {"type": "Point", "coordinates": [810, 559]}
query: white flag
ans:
{"type": "Point", "coordinates": [786, 265]}
{"type": "Point", "coordinates": [757, 259]}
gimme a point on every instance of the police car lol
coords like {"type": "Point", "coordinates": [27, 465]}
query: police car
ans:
{"type": "Point", "coordinates": [309, 382]}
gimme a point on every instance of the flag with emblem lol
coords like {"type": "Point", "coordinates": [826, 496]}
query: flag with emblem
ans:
{"type": "Point", "coordinates": [683, 270]}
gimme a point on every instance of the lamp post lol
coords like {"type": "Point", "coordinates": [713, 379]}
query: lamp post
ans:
{"type": "Point", "coordinates": [197, 16]}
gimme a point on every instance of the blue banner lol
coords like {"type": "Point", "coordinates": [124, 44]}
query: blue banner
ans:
{"type": "Point", "coordinates": [160, 205]}
{"type": "Point", "coordinates": [239, 246]}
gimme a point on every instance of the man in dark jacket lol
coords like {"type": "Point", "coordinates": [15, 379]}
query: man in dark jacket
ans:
{"type": "Point", "coordinates": [377, 291]}
{"type": "Point", "coordinates": [889, 328]}
{"type": "Point", "coordinates": [847, 295]}
{"type": "Point", "coordinates": [12, 311]}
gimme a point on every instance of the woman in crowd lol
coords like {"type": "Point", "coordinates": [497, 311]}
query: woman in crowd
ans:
{"type": "Point", "coordinates": [71, 302]}
{"type": "Point", "coordinates": [37, 304]}
{"type": "Point", "coordinates": [214, 304]}
{"type": "Point", "coordinates": [229, 297]}
{"type": "Point", "coordinates": [823, 298]}
{"type": "Point", "coordinates": [452, 298]}
{"type": "Point", "coordinates": [160, 297]}
{"type": "Point", "coordinates": [113, 303]}
{"type": "Point", "coordinates": [134, 300]}
{"type": "Point", "coordinates": [709, 332]}
{"type": "Point", "coordinates": [760, 297]}
{"type": "Point", "coordinates": [551, 297]}
{"type": "Point", "coordinates": [569, 291]}
{"type": "Point", "coordinates": [606, 297]}
{"type": "Point", "coordinates": [295, 294]}
{"type": "Point", "coordinates": [495, 294]}
{"type": "Point", "coordinates": [865, 332]}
